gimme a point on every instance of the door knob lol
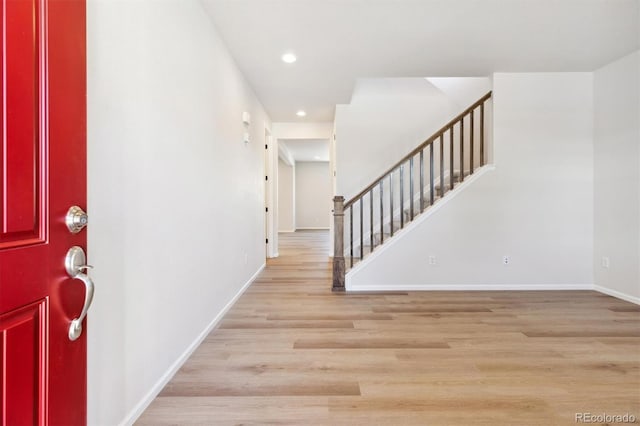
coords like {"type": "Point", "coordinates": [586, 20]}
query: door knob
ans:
{"type": "Point", "coordinates": [75, 263]}
{"type": "Point", "coordinates": [76, 219]}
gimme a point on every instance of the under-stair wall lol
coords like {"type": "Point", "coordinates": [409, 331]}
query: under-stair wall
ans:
{"type": "Point", "coordinates": [535, 206]}
{"type": "Point", "coordinates": [462, 141]}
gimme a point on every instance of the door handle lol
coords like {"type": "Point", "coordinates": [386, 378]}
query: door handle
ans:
{"type": "Point", "coordinates": [75, 263]}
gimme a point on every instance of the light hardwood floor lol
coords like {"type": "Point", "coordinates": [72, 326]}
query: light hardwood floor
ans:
{"type": "Point", "coordinates": [291, 352]}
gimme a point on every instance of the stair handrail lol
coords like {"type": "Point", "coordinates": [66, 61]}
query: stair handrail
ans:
{"type": "Point", "coordinates": [419, 148]}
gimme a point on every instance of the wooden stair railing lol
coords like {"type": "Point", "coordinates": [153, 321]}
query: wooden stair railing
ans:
{"type": "Point", "coordinates": [376, 219]}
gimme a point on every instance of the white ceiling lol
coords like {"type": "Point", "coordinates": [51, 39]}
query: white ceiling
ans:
{"type": "Point", "coordinates": [338, 41]}
{"type": "Point", "coordinates": [307, 149]}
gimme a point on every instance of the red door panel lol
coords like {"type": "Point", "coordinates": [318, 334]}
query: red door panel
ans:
{"type": "Point", "coordinates": [20, 168]}
{"type": "Point", "coordinates": [42, 174]}
{"type": "Point", "coordinates": [22, 343]}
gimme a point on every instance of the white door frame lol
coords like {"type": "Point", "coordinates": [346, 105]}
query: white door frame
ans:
{"type": "Point", "coordinates": [271, 194]}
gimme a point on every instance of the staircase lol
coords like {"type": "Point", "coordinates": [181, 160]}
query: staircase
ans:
{"type": "Point", "coordinates": [410, 187]}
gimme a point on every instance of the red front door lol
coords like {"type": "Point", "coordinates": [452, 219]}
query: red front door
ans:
{"type": "Point", "coordinates": [42, 174]}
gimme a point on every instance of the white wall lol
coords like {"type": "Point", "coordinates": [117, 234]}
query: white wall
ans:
{"type": "Point", "coordinates": [285, 155]}
{"type": "Point", "coordinates": [175, 196]}
{"type": "Point", "coordinates": [617, 177]}
{"type": "Point", "coordinates": [313, 195]}
{"type": "Point", "coordinates": [387, 118]}
{"type": "Point", "coordinates": [302, 130]}
{"type": "Point", "coordinates": [536, 206]}
{"type": "Point", "coordinates": [286, 197]}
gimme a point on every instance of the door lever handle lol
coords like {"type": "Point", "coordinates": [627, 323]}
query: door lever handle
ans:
{"type": "Point", "coordinates": [75, 263]}
{"type": "Point", "coordinates": [75, 329]}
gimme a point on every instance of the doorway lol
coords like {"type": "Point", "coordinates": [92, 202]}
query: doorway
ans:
{"type": "Point", "coordinates": [304, 185]}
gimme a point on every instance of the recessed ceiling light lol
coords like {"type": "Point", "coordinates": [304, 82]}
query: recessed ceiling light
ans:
{"type": "Point", "coordinates": [289, 58]}
{"type": "Point", "coordinates": [301, 113]}
{"type": "Point", "coordinates": [316, 157]}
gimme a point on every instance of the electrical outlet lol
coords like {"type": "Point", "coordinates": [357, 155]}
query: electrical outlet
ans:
{"type": "Point", "coordinates": [506, 260]}
{"type": "Point", "coordinates": [246, 258]}
{"type": "Point", "coordinates": [605, 262]}
{"type": "Point", "coordinates": [433, 260]}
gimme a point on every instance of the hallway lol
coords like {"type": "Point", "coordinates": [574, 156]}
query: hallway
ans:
{"type": "Point", "coordinates": [291, 352]}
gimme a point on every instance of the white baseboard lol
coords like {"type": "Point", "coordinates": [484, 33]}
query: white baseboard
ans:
{"type": "Point", "coordinates": [495, 287]}
{"type": "Point", "coordinates": [470, 287]}
{"type": "Point", "coordinates": [617, 294]}
{"type": "Point", "coordinates": [173, 369]}
{"type": "Point", "coordinates": [286, 231]}
{"type": "Point", "coordinates": [307, 228]}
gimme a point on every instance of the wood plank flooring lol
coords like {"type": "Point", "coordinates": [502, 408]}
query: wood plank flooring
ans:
{"type": "Point", "coordinates": [291, 352]}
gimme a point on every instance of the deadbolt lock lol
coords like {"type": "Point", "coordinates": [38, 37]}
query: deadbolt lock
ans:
{"type": "Point", "coordinates": [76, 219]}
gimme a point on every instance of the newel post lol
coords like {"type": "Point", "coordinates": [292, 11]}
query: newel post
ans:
{"type": "Point", "coordinates": [338, 243]}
